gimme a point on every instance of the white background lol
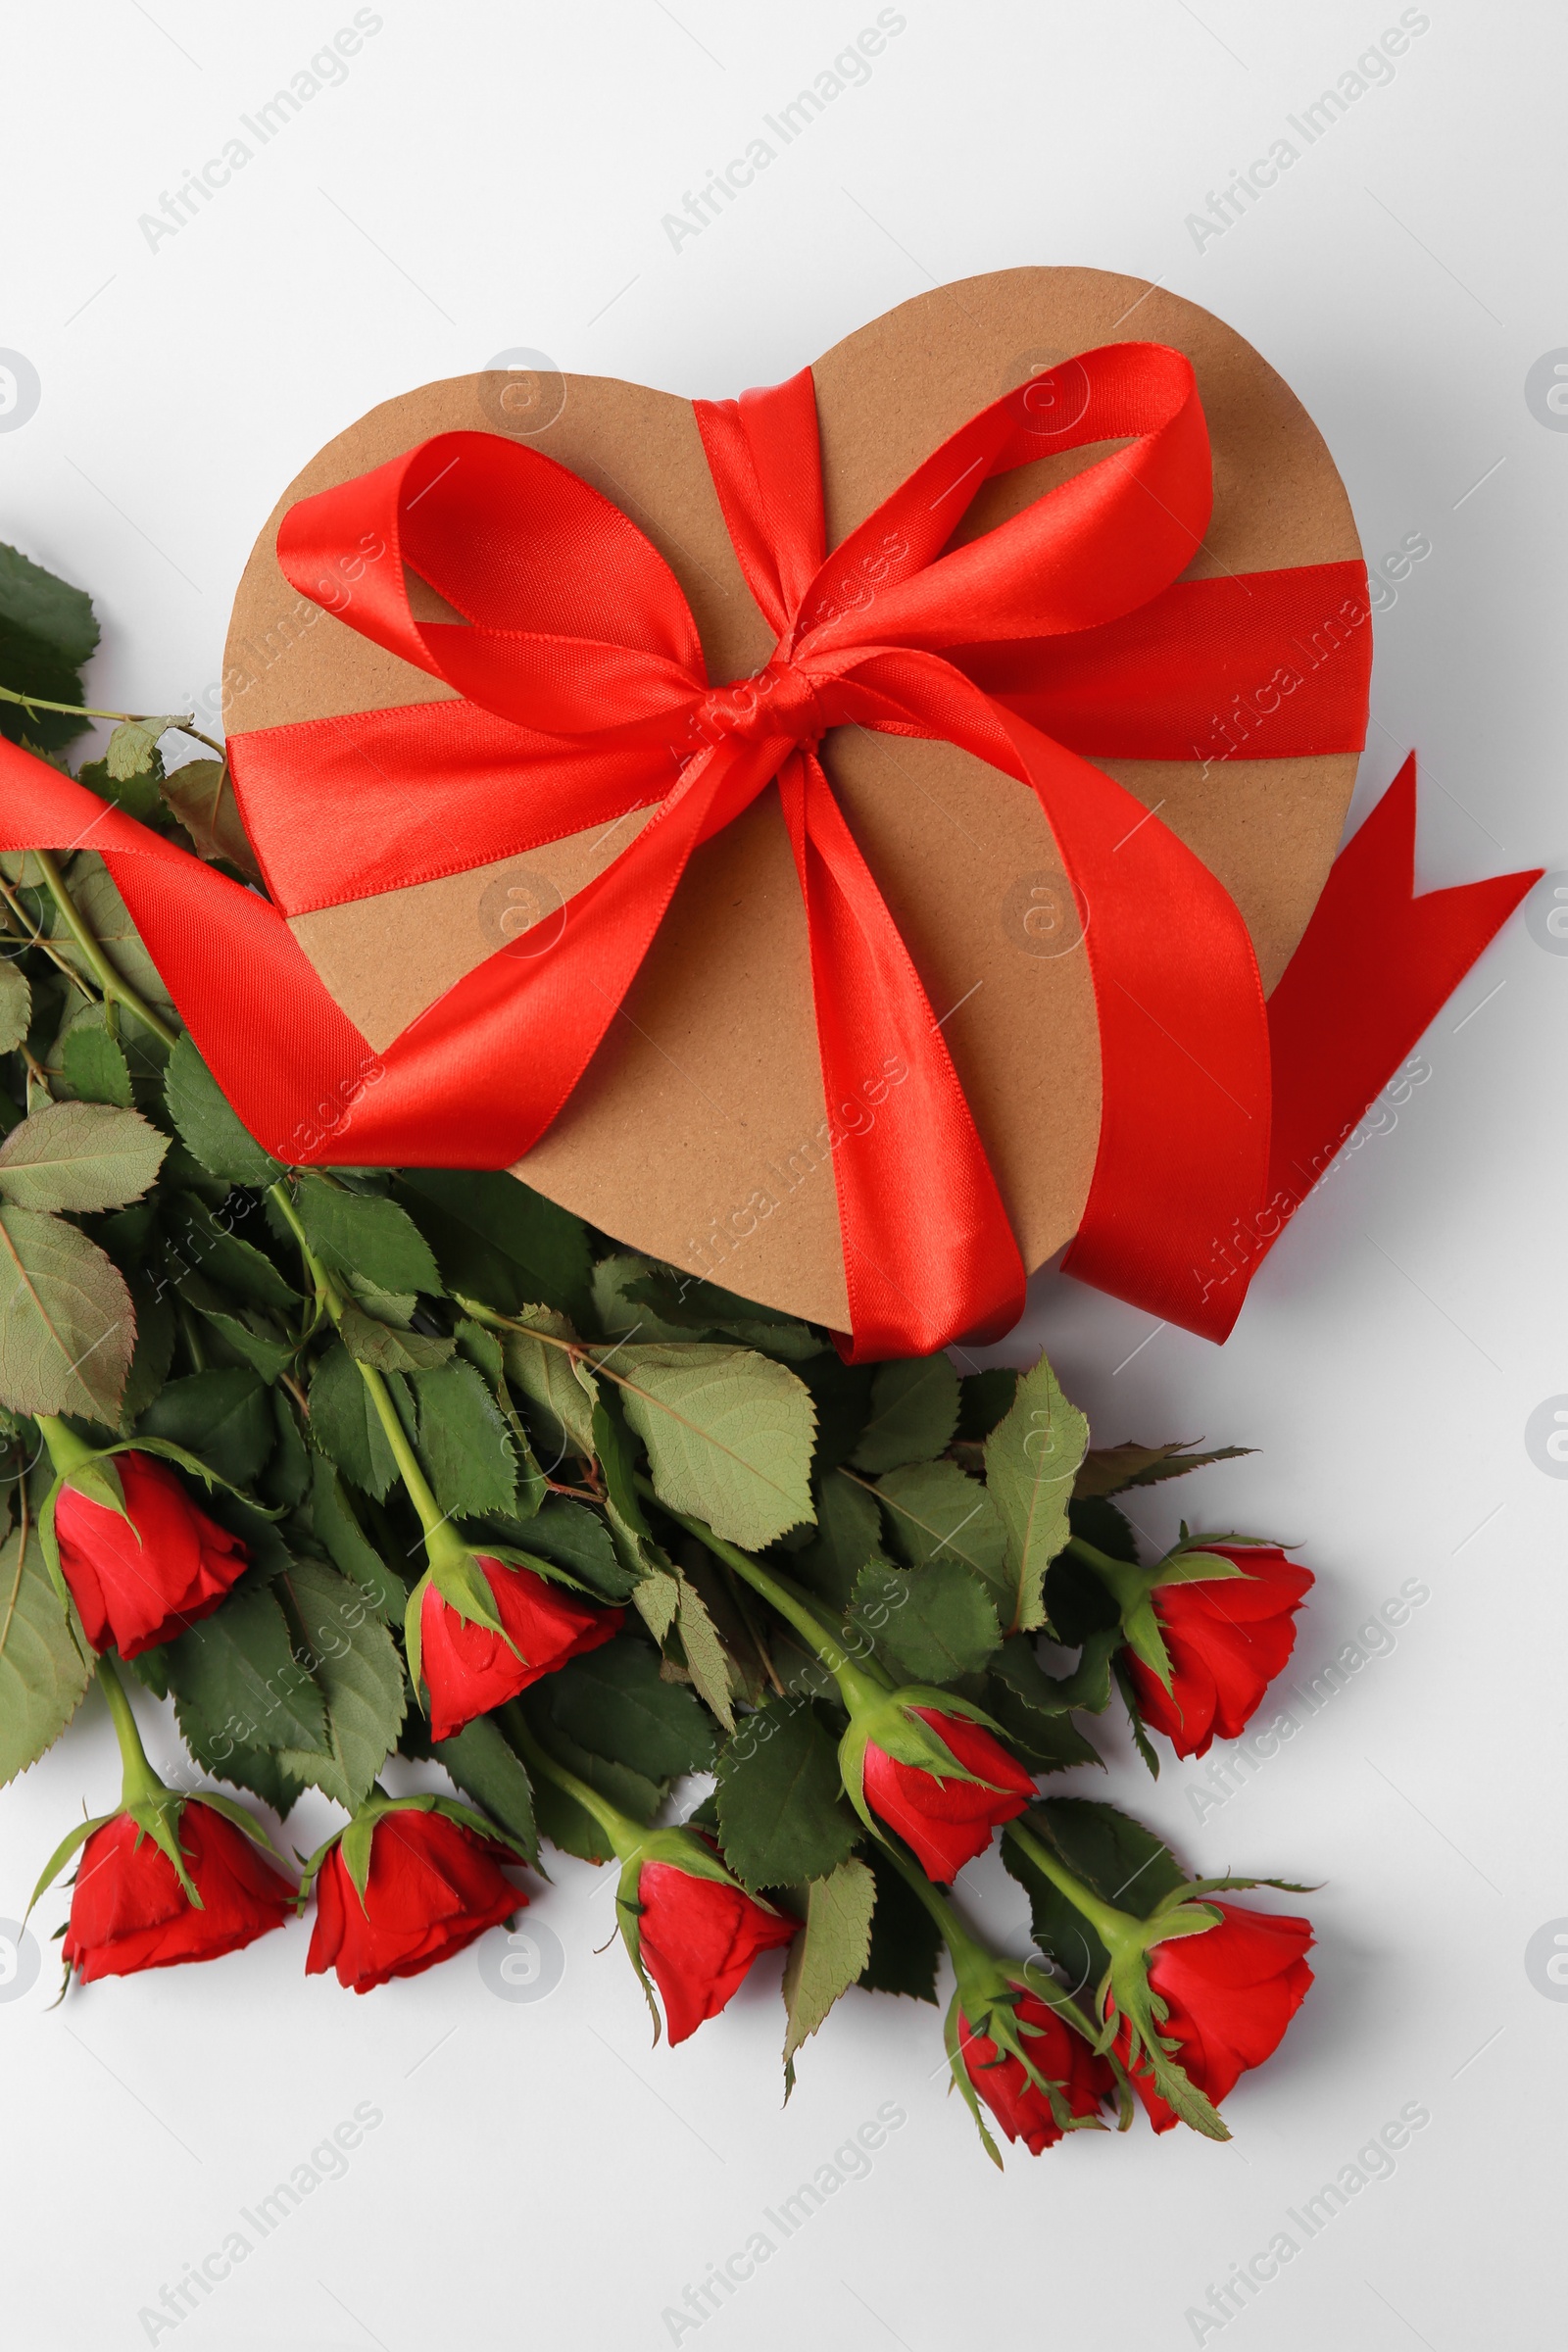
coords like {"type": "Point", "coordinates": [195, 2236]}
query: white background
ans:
{"type": "Point", "coordinates": [494, 177]}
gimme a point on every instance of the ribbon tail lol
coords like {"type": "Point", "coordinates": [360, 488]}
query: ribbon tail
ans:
{"type": "Point", "coordinates": [1184, 1132]}
{"type": "Point", "coordinates": [287, 1059]}
{"type": "Point", "coordinates": [929, 1256]}
{"type": "Point", "coordinates": [1374, 966]}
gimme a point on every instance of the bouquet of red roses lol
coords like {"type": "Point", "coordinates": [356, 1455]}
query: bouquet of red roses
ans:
{"type": "Point", "coordinates": [377, 1462]}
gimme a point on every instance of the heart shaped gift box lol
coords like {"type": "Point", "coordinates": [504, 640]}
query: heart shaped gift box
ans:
{"type": "Point", "coordinates": [839, 841]}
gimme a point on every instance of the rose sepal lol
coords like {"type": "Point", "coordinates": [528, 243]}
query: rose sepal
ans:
{"type": "Point", "coordinates": [356, 1836]}
{"type": "Point", "coordinates": [887, 1721]}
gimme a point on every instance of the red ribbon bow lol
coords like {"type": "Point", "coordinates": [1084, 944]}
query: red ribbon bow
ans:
{"type": "Point", "coordinates": [584, 697]}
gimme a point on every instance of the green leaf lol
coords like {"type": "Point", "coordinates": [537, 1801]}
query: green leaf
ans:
{"type": "Point", "coordinates": [154, 1351]}
{"type": "Point", "coordinates": [201, 794]}
{"type": "Point", "coordinates": [1088, 1686]}
{"type": "Point", "coordinates": [1112, 1469]}
{"type": "Point", "coordinates": [222, 1417]}
{"type": "Point", "coordinates": [1114, 1856]}
{"type": "Point", "coordinates": [496, 1240]}
{"type": "Point", "coordinates": [47, 633]}
{"type": "Point", "coordinates": [706, 1659]}
{"type": "Point", "coordinates": [361, 1677]}
{"type": "Point", "coordinates": [94, 1068]}
{"type": "Point", "coordinates": [927, 1625]}
{"type": "Point", "coordinates": [906, 1940]}
{"type": "Point", "coordinates": [258, 1769]}
{"type": "Point", "coordinates": [914, 1412]}
{"type": "Point", "coordinates": [728, 1432]}
{"type": "Point", "coordinates": [211, 1246]}
{"type": "Point", "coordinates": [16, 1006]}
{"type": "Point", "coordinates": [574, 1538]}
{"type": "Point", "coordinates": [136, 794]}
{"type": "Point", "coordinates": [238, 1668]}
{"type": "Point", "coordinates": [42, 1673]}
{"type": "Point", "coordinates": [286, 1480]}
{"type": "Point", "coordinates": [561, 1395]}
{"type": "Point", "coordinates": [485, 1767]}
{"type": "Point", "coordinates": [935, 1511]}
{"type": "Point", "coordinates": [465, 1443]}
{"type": "Point", "coordinates": [107, 917]}
{"type": "Point", "coordinates": [1048, 1741]}
{"type": "Point", "coordinates": [826, 1960]}
{"type": "Point", "coordinates": [210, 1131]}
{"type": "Point", "coordinates": [357, 1233]}
{"type": "Point", "coordinates": [345, 1425]}
{"type": "Point", "coordinates": [80, 1157]}
{"type": "Point", "coordinates": [386, 1349]}
{"type": "Point", "coordinates": [683, 1306]}
{"type": "Point", "coordinates": [67, 1327]}
{"type": "Point", "coordinates": [257, 1343]}
{"type": "Point", "coordinates": [130, 747]}
{"type": "Point", "coordinates": [849, 1533]}
{"type": "Point", "coordinates": [561, 1819]}
{"type": "Point", "coordinates": [615, 1703]}
{"type": "Point", "coordinates": [1032, 1458]}
{"type": "Point", "coordinates": [332, 1517]}
{"type": "Point", "coordinates": [781, 1811]}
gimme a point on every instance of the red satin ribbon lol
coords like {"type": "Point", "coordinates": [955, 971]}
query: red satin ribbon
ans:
{"type": "Point", "coordinates": [585, 696]}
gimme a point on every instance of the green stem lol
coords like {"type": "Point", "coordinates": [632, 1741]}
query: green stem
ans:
{"type": "Point", "coordinates": [623, 1833]}
{"type": "Point", "coordinates": [1116, 1930]}
{"type": "Point", "coordinates": [67, 1450]}
{"type": "Point", "coordinates": [138, 1779]}
{"type": "Point", "coordinates": [857, 1686]}
{"type": "Point", "coordinates": [963, 1947]}
{"type": "Point", "coordinates": [127, 718]}
{"type": "Point", "coordinates": [439, 1534]}
{"type": "Point", "coordinates": [103, 971]}
{"type": "Point", "coordinates": [439, 1531]}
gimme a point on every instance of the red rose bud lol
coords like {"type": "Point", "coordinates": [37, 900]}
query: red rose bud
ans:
{"type": "Point", "coordinates": [433, 1885]}
{"type": "Point", "coordinates": [696, 1938]}
{"type": "Point", "coordinates": [129, 1910]}
{"type": "Point", "coordinates": [1083, 2080]}
{"type": "Point", "coordinates": [947, 1821]}
{"type": "Point", "coordinates": [469, 1667]}
{"type": "Point", "coordinates": [1229, 1993]}
{"type": "Point", "coordinates": [1227, 1638]}
{"type": "Point", "coordinates": [144, 1578]}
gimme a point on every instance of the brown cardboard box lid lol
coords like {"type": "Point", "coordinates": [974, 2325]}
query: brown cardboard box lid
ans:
{"type": "Point", "coordinates": [696, 1134]}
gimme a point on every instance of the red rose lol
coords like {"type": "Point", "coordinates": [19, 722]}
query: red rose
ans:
{"type": "Point", "coordinates": [1227, 1640]}
{"type": "Point", "coordinates": [947, 1822]}
{"type": "Point", "coordinates": [698, 1938]}
{"type": "Point", "coordinates": [469, 1669]}
{"type": "Point", "coordinates": [129, 1910]}
{"type": "Point", "coordinates": [434, 1887]}
{"type": "Point", "coordinates": [1231, 1992]}
{"type": "Point", "coordinates": [143, 1578]}
{"type": "Point", "coordinates": [1022, 2109]}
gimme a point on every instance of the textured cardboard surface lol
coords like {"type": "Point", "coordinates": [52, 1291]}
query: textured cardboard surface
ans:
{"type": "Point", "coordinates": [697, 1132]}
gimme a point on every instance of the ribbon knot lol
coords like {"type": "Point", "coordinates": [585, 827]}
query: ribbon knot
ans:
{"type": "Point", "coordinates": [781, 702]}
{"type": "Point", "coordinates": [576, 662]}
